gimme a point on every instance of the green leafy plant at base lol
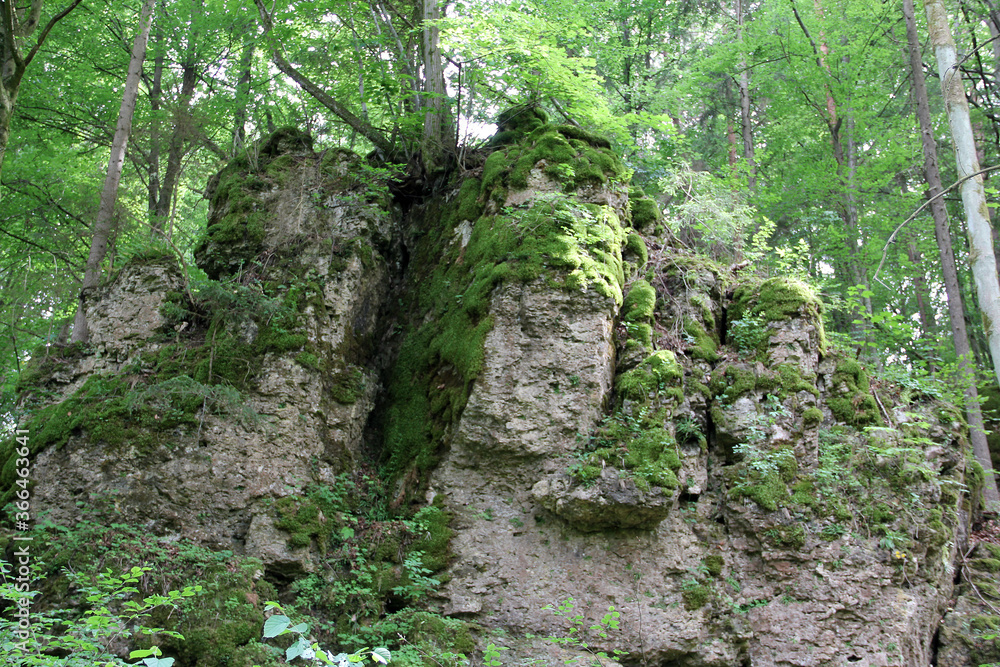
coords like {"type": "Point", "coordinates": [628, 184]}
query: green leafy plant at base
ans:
{"type": "Point", "coordinates": [576, 636]}
{"type": "Point", "coordinates": [278, 624]}
{"type": "Point", "coordinates": [113, 613]}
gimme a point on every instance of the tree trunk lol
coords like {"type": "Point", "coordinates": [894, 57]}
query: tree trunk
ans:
{"type": "Point", "coordinates": [438, 141]}
{"type": "Point", "coordinates": [155, 98]}
{"type": "Point", "coordinates": [105, 212]}
{"type": "Point", "coordinates": [243, 92]}
{"type": "Point", "coordinates": [746, 121]}
{"type": "Point", "coordinates": [846, 169]}
{"type": "Point", "coordinates": [937, 21]}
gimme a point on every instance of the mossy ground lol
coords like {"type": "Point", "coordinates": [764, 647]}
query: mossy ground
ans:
{"type": "Point", "coordinates": [375, 564]}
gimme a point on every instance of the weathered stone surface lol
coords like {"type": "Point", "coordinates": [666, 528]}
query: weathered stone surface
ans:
{"type": "Point", "coordinates": [125, 313]}
{"type": "Point", "coordinates": [744, 560]}
{"type": "Point", "coordinates": [548, 371]}
{"type": "Point", "coordinates": [611, 502]}
{"type": "Point", "coordinates": [301, 419]}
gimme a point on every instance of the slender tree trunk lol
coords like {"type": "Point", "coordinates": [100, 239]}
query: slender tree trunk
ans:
{"type": "Point", "coordinates": [746, 119]}
{"type": "Point", "coordinates": [155, 99]}
{"type": "Point", "coordinates": [362, 127]}
{"type": "Point", "coordinates": [844, 154]}
{"type": "Point", "coordinates": [940, 34]}
{"type": "Point", "coordinates": [105, 212]}
{"type": "Point", "coordinates": [243, 92]}
{"type": "Point", "coordinates": [920, 289]}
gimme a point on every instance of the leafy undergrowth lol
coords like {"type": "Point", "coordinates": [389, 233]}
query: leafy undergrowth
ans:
{"type": "Point", "coordinates": [373, 568]}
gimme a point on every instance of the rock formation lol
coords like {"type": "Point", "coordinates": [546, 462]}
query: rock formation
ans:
{"type": "Point", "coordinates": [592, 417]}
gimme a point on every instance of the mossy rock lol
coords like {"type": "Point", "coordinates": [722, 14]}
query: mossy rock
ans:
{"type": "Point", "coordinates": [636, 245]}
{"type": "Point", "coordinates": [658, 371]}
{"type": "Point", "coordinates": [777, 300]}
{"type": "Point", "coordinates": [713, 563]}
{"type": "Point", "coordinates": [704, 346]}
{"type": "Point", "coordinates": [695, 596]}
{"type": "Point", "coordinates": [856, 406]}
{"type": "Point", "coordinates": [640, 303]}
{"type": "Point", "coordinates": [565, 153]}
{"type": "Point", "coordinates": [642, 448]}
{"type": "Point", "coordinates": [645, 214]}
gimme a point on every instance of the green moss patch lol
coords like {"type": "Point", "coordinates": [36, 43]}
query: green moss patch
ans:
{"type": "Point", "coordinates": [658, 372]}
{"type": "Point", "coordinates": [563, 152]}
{"type": "Point", "coordinates": [640, 446]}
{"type": "Point", "coordinates": [855, 406]}
{"type": "Point", "coordinates": [775, 300]}
{"type": "Point", "coordinates": [645, 214]}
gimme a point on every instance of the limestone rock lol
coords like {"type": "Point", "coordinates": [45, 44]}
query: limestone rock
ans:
{"type": "Point", "coordinates": [612, 502]}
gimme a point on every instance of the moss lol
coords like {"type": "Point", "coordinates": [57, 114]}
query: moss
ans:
{"type": "Point", "coordinates": [804, 493]}
{"type": "Point", "coordinates": [645, 214]}
{"type": "Point", "coordinates": [992, 550]}
{"type": "Point", "coordinates": [640, 303]}
{"type": "Point", "coordinates": [812, 416]}
{"type": "Point", "coordinates": [879, 513]}
{"type": "Point", "coordinates": [642, 447]}
{"type": "Point", "coordinates": [856, 406]}
{"type": "Point", "coordinates": [713, 563]}
{"type": "Point", "coordinates": [565, 153]}
{"type": "Point", "coordinates": [302, 518]}
{"type": "Point", "coordinates": [639, 335]}
{"type": "Point", "coordinates": [468, 206]}
{"type": "Point", "coordinates": [435, 539]}
{"type": "Point", "coordinates": [308, 360]}
{"type": "Point", "coordinates": [284, 140]}
{"type": "Point", "coordinates": [778, 299]}
{"type": "Point", "coordinates": [984, 623]}
{"type": "Point", "coordinates": [731, 381]}
{"type": "Point", "coordinates": [704, 347]}
{"type": "Point", "coordinates": [788, 537]}
{"type": "Point", "coordinates": [657, 371]}
{"type": "Point", "coordinates": [637, 246]}
{"type": "Point", "coordinates": [791, 381]}
{"type": "Point", "coordinates": [522, 119]}
{"type": "Point", "coordinates": [766, 489]}
{"type": "Point", "coordinates": [154, 254]}
{"type": "Point", "coordinates": [695, 596]}
{"type": "Point", "coordinates": [346, 385]}
{"type": "Point", "coordinates": [574, 132]}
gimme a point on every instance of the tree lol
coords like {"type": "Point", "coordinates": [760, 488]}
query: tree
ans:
{"type": "Point", "coordinates": [15, 25]}
{"type": "Point", "coordinates": [956, 310]}
{"type": "Point", "coordinates": [105, 213]}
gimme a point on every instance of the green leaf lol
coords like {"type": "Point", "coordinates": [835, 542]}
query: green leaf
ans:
{"type": "Point", "coordinates": [276, 625]}
{"type": "Point", "coordinates": [296, 649]}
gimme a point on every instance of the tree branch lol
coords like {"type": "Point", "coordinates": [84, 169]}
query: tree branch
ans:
{"type": "Point", "coordinates": [362, 127]}
{"type": "Point", "coordinates": [48, 27]}
{"type": "Point", "coordinates": [892, 237]}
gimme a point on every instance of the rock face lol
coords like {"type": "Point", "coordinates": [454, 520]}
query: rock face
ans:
{"type": "Point", "coordinates": [245, 404]}
{"type": "Point", "coordinates": [608, 421]}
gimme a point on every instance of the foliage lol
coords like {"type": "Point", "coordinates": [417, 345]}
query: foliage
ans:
{"type": "Point", "coordinates": [112, 613]}
{"type": "Point", "coordinates": [278, 624]}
